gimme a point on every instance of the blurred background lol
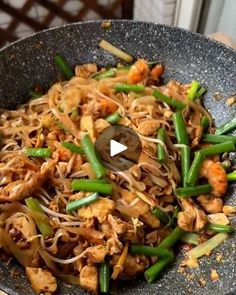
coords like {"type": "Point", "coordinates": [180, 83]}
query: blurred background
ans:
{"type": "Point", "coordinates": [20, 18]}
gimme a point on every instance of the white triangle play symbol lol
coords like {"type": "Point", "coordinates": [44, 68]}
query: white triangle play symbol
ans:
{"type": "Point", "coordinates": [116, 148]}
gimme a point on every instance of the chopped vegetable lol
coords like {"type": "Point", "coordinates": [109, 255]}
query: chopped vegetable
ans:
{"type": "Point", "coordinates": [88, 185]}
{"type": "Point", "coordinates": [161, 215]}
{"type": "Point", "coordinates": [42, 223]}
{"type": "Point", "coordinates": [168, 100]}
{"type": "Point", "coordinates": [104, 277]}
{"type": "Point", "coordinates": [205, 122]}
{"type": "Point", "coordinates": [113, 118]}
{"type": "Point", "coordinates": [72, 206]}
{"type": "Point", "coordinates": [149, 251]}
{"type": "Point", "coordinates": [212, 138]}
{"type": "Point", "coordinates": [209, 245]}
{"type": "Point", "coordinates": [180, 128]}
{"type": "Point", "coordinates": [190, 238]}
{"type": "Point", "coordinates": [227, 127]}
{"type": "Point", "coordinates": [115, 51]}
{"type": "Point", "coordinates": [192, 92]}
{"type": "Point", "coordinates": [152, 273]}
{"type": "Point", "coordinates": [38, 152]}
{"type": "Point", "coordinates": [200, 92]}
{"type": "Point", "coordinates": [106, 74]}
{"type": "Point", "coordinates": [185, 163]}
{"type": "Point", "coordinates": [122, 87]}
{"type": "Point", "coordinates": [63, 66]}
{"type": "Point", "coordinates": [185, 192]}
{"type": "Point", "coordinates": [194, 169]}
{"type": "Point", "coordinates": [231, 176]}
{"type": "Point", "coordinates": [72, 147]}
{"type": "Point", "coordinates": [90, 153]}
{"type": "Point", "coordinates": [220, 228]}
{"type": "Point", "coordinates": [220, 148]}
{"type": "Point", "coordinates": [172, 238]}
{"type": "Point", "coordinates": [161, 153]}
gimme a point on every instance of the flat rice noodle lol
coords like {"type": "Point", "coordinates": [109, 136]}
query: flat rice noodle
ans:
{"type": "Point", "coordinates": [26, 257]}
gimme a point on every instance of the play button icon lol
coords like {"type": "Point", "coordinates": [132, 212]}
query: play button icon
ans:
{"type": "Point", "coordinates": [118, 147]}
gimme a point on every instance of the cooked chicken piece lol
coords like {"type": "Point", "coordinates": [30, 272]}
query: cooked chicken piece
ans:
{"type": "Point", "coordinates": [229, 210]}
{"type": "Point", "coordinates": [132, 266]}
{"type": "Point", "coordinates": [114, 245]}
{"type": "Point", "coordinates": [41, 280]}
{"type": "Point", "coordinates": [100, 210]}
{"type": "Point", "coordinates": [89, 278]}
{"type": "Point", "coordinates": [191, 219]}
{"type": "Point", "coordinates": [140, 206]}
{"type": "Point", "coordinates": [119, 226]}
{"type": "Point", "coordinates": [151, 220]}
{"type": "Point", "coordinates": [14, 239]}
{"type": "Point", "coordinates": [148, 127]}
{"type": "Point", "coordinates": [85, 71]}
{"type": "Point", "coordinates": [210, 203]}
{"type": "Point", "coordinates": [96, 254]}
{"type": "Point", "coordinates": [21, 229]}
{"type": "Point", "coordinates": [21, 189]}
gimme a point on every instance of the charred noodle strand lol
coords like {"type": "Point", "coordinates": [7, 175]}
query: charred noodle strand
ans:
{"type": "Point", "coordinates": [89, 151]}
{"type": "Point", "coordinates": [119, 266]}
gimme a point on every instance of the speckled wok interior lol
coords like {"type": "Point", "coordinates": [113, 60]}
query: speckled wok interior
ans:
{"type": "Point", "coordinates": [186, 56]}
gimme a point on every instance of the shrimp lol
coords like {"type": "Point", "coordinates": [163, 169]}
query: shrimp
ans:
{"type": "Point", "coordinates": [157, 71]}
{"type": "Point", "coordinates": [138, 71]}
{"type": "Point", "coordinates": [216, 176]}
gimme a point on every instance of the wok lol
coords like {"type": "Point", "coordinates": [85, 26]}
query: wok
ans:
{"type": "Point", "coordinates": [186, 56]}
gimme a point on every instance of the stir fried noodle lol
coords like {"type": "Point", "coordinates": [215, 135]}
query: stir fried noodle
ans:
{"type": "Point", "coordinates": [64, 215]}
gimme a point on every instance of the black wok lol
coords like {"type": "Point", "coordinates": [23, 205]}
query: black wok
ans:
{"type": "Point", "coordinates": [186, 56]}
